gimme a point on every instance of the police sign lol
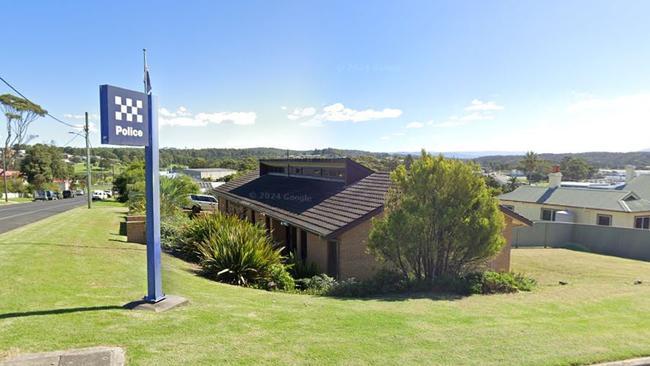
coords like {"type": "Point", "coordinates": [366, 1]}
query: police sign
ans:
{"type": "Point", "coordinates": [124, 116]}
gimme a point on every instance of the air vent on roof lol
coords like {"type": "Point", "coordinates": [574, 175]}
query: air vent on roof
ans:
{"type": "Point", "coordinates": [631, 197]}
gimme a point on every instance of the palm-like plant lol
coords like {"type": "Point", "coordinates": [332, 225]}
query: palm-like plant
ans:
{"type": "Point", "coordinates": [237, 252]}
{"type": "Point", "coordinates": [530, 163]}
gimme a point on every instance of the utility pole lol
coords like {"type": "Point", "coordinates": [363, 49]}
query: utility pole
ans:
{"type": "Point", "coordinates": [86, 130]}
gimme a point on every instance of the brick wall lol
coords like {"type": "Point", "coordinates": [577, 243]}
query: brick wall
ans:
{"type": "Point", "coordinates": [317, 251]}
{"type": "Point", "coordinates": [501, 262]}
{"type": "Point", "coordinates": [354, 258]}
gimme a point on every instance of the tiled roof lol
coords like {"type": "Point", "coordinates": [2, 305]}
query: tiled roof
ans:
{"type": "Point", "coordinates": [603, 199]}
{"type": "Point", "coordinates": [508, 212]}
{"type": "Point", "coordinates": [323, 207]}
{"type": "Point", "coordinates": [639, 185]}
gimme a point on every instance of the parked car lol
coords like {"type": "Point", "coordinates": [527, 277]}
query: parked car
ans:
{"type": "Point", "coordinates": [79, 192]}
{"type": "Point", "coordinates": [40, 196]}
{"type": "Point", "coordinates": [68, 194]}
{"type": "Point", "coordinates": [109, 193]}
{"type": "Point", "coordinates": [200, 202]}
{"type": "Point", "coordinates": [51, 196]}
{"type": "Point", "coordinates": [99, 195]}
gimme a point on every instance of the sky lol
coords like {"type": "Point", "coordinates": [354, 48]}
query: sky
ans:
{"type": "Point", "coordinates": [548, 76]}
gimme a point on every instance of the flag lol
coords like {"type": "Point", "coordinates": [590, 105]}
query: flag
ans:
{"type": "Point", "coordinates": [147, 80]}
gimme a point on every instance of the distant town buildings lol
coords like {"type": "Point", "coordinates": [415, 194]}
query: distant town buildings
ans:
{"type": "Point", "coordinates": [625, 204]}
{"type": "Point", "coordinates": [209, 173]}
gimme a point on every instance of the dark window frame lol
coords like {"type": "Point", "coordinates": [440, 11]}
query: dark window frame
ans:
{"type": "Point", "coordinates": [333, 258]}
{"type": "Point", "coordinates": [552, 211]}
{"type": "Point", "coordinates": [603, 216]}
{"type": "Point", "coordinates": [644, 223]}
{"type": "Point", "coordinates": [303, 246]}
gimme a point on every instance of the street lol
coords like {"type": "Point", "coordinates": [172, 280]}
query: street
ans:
{"type": "Point", "coordinates": [17, 215]}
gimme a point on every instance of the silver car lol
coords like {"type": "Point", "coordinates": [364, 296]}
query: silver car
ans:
{"type": "Point", "coordinates": [200, 202]}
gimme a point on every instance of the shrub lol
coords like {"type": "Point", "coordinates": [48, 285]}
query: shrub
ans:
{"type": "Point", "coordinates": [318, 284]}
{"type": "Point", "coordinates": [279, 279]}
{"type": "Point", "coordinates": [198, 231]}
{"type": "Point", "coordinates": [300, 269]}
{"type": "Point", "coordinates": [172, 231]}
{"type": "Point", "coordinates": [383, 282]}
{"type": "Point", "coordinates": [489, 282]}
{"type": "Point", "coordinates": [235, 251]}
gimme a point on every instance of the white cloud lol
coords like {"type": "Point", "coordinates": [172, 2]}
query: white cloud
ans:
{"type": "Point", "coordinates": [479, 105]}
{"type": "Point", "coordinates": [337, 112]}
{"type": "Point", "coordinates": [476, 111]}
{"type": "Point", "coordinates": [299, 113]}
{"type": "Point", "coordinates": [91, 116]}
{"type": "Point", "coordinates": [415, 125]}
{"type": "Point", "coordinates": [183, 117]}
{"type": "Point", "coordinates": [587, 123]}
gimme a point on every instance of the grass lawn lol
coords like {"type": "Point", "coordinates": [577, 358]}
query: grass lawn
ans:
{"type": "Point", "coordinates": [63, 280]}
{"type": "Point", "coordinates": [15, 200]}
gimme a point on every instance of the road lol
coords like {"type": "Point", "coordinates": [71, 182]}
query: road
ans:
{"type": "Point", "coordinates": [19, 214]}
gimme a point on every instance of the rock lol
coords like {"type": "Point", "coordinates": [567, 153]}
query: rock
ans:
{"type": "Point", "coordinates": [563, 283]}
{"type": "Point", "coordinates": [638, 282]}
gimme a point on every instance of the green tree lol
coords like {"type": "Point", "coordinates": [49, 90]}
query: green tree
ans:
{"type": "Point", "coordinates": [576, 168]}
{"type": "Point", "coordinates": [133, 173]}
{"type": "Point", "coordinates": [512, 184]}
{"type": "Point", "coordinates": [439, 220]}
{"type": "Point", "coordinates": [20, 113]}
{"type": "Point", "coordinates": [530, 164]}
{"type": "Point", "coordinates": [43, 163]}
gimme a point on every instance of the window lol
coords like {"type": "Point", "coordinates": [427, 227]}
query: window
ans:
{"type": "Point", "coordinates": [303, 245]}
{"type": "Point", "coordinates": [275, 169]}
{"type": "Point", "coordinates": [642, 222]}
{"type": "Point", "coordinates": [332, 258]}
{"type": "Point", "coordinates": [333, 172]}
{"type": "Point", "coordinates": [604, 220]}
{"type": "Point", "coordinates": [548, 214]}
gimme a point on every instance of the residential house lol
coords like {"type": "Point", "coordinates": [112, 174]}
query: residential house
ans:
{"type": "Point", "coordinates": [321, 210]}
{"type": "Point", "coordinates": [209, 173]}
{"type": "Point", "coordinates": [626, 205]}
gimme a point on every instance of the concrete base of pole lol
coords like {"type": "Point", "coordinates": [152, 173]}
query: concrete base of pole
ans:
{"type": "Point", "coordinates": [168, 303]}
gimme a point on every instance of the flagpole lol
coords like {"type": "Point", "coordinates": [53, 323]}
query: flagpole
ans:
{"type": "Point", "coordinates": [144, 79]}
{"type": "Point", "coordinates": [152, 189]}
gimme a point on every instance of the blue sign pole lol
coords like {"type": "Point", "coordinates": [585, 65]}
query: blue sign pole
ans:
{"type": "Point", "coordinates": [152, 186]}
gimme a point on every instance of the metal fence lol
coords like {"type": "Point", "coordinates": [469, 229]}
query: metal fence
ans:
{"type": "Point", "coordinates": [621, 242]}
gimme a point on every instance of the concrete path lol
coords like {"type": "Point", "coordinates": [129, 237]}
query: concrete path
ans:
{"type": "Point", "coordinates": [95, 356]}
{"type": "Point", "coordinates": [19, 214]}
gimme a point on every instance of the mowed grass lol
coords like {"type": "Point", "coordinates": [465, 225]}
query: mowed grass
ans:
{"type": "Point", "coordinates": [63, 281]}
{"type": "Point", "coordinates": [15, 200]}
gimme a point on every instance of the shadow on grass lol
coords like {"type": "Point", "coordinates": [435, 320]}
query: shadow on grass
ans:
{"type": "Point", "coordinates": [139, 248]}
{"type": "Point", "coordinates": [403, 296]}
{"type": "Point", "coordinates": [58, 311]}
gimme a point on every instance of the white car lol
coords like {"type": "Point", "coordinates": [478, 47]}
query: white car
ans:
{"type": "Point", "coordinates": [99, 195]}
{"type": "Point", "coordinates": [200, 202]}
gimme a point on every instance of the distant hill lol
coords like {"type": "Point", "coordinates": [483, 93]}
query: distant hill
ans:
{"type": "Point", "coordinates": [612, 160]}
{"type": "Point", "coordinates": [210, 156]}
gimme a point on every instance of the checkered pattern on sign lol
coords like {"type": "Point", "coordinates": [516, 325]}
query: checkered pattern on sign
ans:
{"type": "Point", "coordinates": [128, 110]}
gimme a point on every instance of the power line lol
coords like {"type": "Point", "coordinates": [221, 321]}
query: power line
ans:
{"type": "Point", "coordinates": [24, 97]}
{"type": "Point", "coordinates": [69, 142]}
